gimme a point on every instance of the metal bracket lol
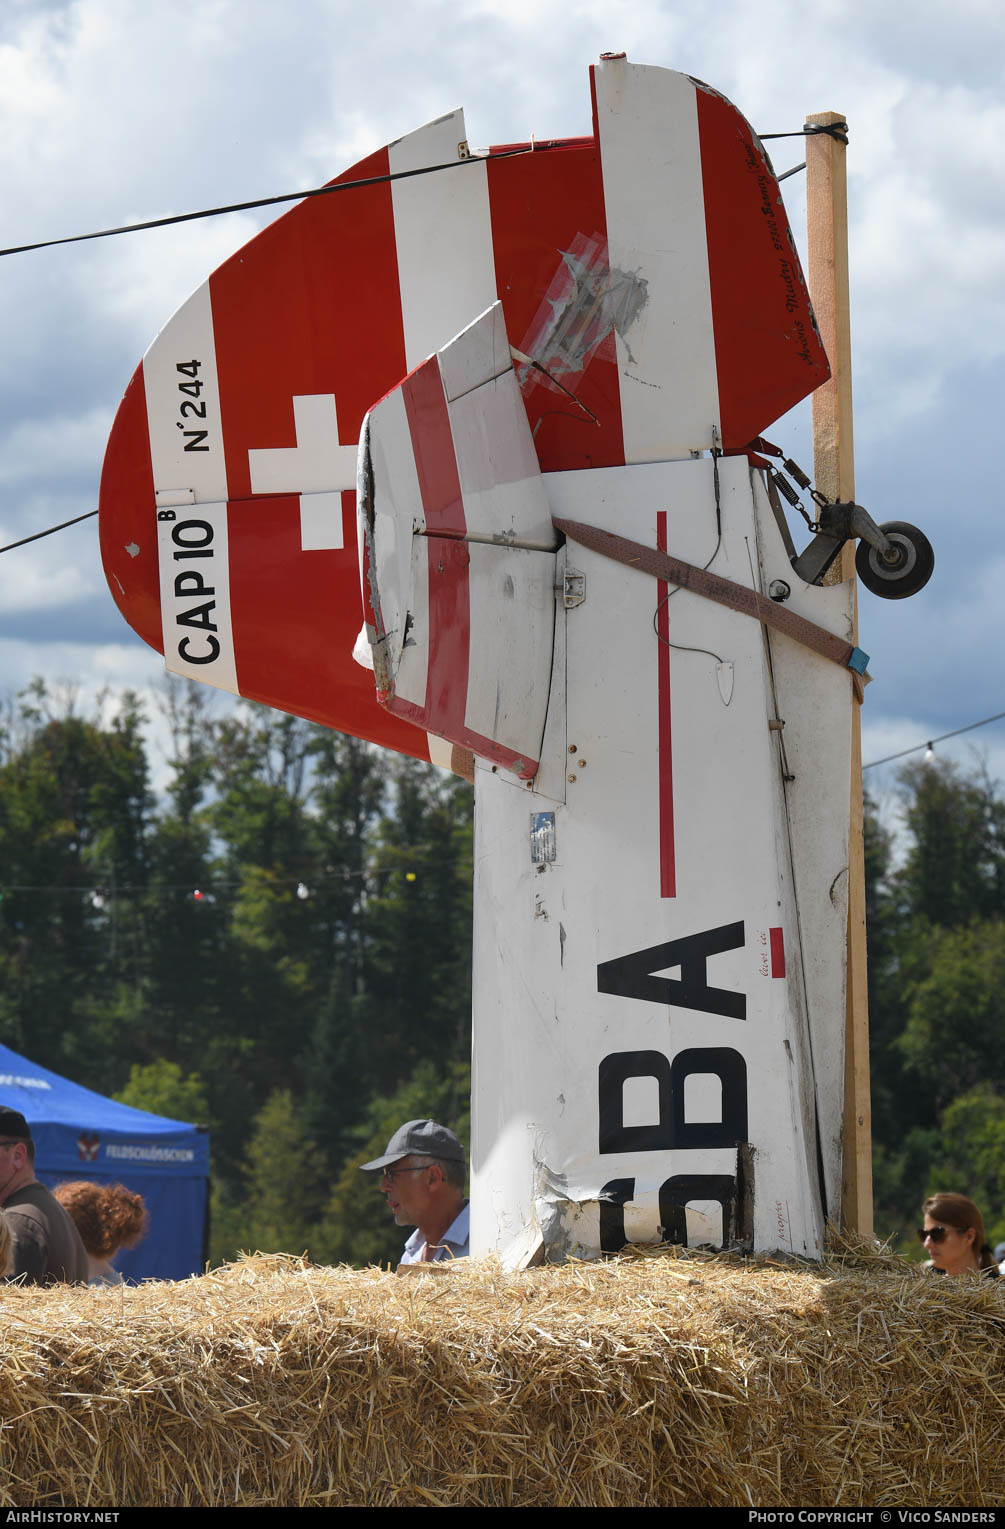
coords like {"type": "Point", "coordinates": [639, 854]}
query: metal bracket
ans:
{"type": "Point", "coordinates": [573, 588]}
{"type": "Point", "coordinates": [837, 523]}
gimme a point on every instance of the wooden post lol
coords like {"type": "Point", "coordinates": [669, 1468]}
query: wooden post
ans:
{"type": "Point", "coordinates": [834, 473]}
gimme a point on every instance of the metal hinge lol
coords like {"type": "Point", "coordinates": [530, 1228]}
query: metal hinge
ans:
{"type": "Point", "coordinates": [573, 588]}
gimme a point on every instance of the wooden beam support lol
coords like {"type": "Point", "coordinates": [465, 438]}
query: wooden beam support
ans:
{"type": "Point", "coordinates": [834, 474]}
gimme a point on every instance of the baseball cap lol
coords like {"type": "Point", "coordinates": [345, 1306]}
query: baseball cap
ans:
{"type": "Point", "coordinates": [13, 1124]}
{"type": "Point", "coordinates": [424, 1137]}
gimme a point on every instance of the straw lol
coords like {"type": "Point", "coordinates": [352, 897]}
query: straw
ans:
{"type": "Point", "coordinates": [642, 1380]}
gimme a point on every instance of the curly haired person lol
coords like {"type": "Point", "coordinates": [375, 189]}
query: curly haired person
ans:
{"type": "Point", "coordinates": [108, 1217]}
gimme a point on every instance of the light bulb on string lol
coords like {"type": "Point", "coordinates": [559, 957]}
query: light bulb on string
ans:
{"type": "Point", "coordinates": [303, 892]}
{"type": "Point", "coordinates": [929, 754]}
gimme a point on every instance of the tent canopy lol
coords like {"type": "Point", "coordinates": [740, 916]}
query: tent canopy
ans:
{"type": "Point", "coordinates": [79, 1134]}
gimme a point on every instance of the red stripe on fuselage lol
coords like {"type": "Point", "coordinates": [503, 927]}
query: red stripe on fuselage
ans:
{"type": "Point", "coordinates": [777, 952]}
{"type": "Point", "coordinates": [668, 865]}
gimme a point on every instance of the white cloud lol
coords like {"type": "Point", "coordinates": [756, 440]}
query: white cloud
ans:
{"type": "Point", "coordinates": [60, 446]}
{"type": "Point", "coordinates": [111, 111]}
{"type": "Point", "coordinates": [89, 666]}
{"type": "Point", "coordinates": [138, 283]}
{"type": "Point", "coordinates": [31, 584]}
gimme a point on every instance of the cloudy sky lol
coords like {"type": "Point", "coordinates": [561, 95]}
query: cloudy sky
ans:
{"type": "Point", "coordinates": [113, 111]}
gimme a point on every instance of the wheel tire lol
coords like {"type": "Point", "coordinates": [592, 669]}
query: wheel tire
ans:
{"type": "Point", "coordinates": [909, 571]}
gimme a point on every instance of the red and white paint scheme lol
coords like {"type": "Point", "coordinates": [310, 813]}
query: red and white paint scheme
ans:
{"type": "Point", "coordinates": [249, 402]}
{"type": "Point", "coordinates": [460, 562]}
{"type": "Point", "coordinates": [661, 836]}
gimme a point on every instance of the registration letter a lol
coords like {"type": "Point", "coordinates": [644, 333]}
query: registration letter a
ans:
{"type": "Point", "coordinates": [633, 976]}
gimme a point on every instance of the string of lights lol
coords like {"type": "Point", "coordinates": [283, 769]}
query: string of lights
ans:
{"type": "Point", "coordinates": [929, 744]}
{"type": "Point", "coordinates": [101, 892]}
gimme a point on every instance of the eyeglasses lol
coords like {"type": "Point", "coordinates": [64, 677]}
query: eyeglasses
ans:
{"type": "Point", "coordinates": [933, 1233]}
{"type": "Point", "coordinates": [392, 1173]}
{"type": "Point", "coordinates": [20, 1142]}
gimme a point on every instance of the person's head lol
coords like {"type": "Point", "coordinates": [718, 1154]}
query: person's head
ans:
{"type": "Point", "coordinates": [422, 1175]}
{"type": "Point", "coordinates": [107, 1216]}
{"type": "Point", "coordinates": [17, 1152]}
{"type": "Point", "coordinates": [953, 1234]}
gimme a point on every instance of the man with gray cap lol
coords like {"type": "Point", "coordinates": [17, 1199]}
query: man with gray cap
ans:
{"type": "Point", "coordinates": [422, 1175]}
{"type": "Point", "coordinates": [47, 1245]}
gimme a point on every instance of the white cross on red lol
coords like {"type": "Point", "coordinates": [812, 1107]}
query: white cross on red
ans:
{"type": "Point", "coordinates": [317, 468]}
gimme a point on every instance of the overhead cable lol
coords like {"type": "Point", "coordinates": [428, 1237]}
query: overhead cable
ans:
{"type": "Point", "coordinates": [836, 130]}
{"type": "Point", "coordinates": [272, 201]}
{"type": "Point", "coordinates": [37, 535]}
{"type": "Point", "coordinates": [930, 741]}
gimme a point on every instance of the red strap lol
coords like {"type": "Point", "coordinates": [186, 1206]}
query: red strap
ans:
{"type": "Point", "coordinates": [723, 591]}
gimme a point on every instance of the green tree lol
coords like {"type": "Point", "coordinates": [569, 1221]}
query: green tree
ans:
{"type": "Point", "coordinates": [971, 1156]}
{"type": "Point", "coordinates": [954, 1035]}
{"type": "Point", "coordinates": [284, 1188]}
{"type": "Point", "coordinates": [954, 870]}
{"type": "Point", "coordinates": [162, 1088]}
{"type": "Point", "coordinates": [418, 970]}
{"type": "Point", "coordinates": [74, 810]}
{"type": "Point", "coordinates": [937, 963]}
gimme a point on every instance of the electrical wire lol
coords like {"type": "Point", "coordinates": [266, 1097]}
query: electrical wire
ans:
{"type": "Point", "coordinates": [206, 888]}
{"type": "Point", "coordinates": [838, 130]}
{"type": "Point", "coordinates": [679, 646]}
{"type": "Point", "coordinates": [298, 196]}
{"type": "Point", "coordinates": [37, 536]}
{"type": "Point", "coordinates": [930, 741]}
{"type": "Point", "coordinates": [273, 201]}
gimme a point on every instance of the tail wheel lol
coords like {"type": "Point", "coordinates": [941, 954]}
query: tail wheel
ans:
{"type": "Point", "coordinates": [902, 571]}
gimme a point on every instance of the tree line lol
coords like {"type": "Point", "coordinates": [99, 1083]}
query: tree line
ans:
{"type": "Point", "coordinates": [936, 930]}
{"type": "Point", "coordinates": [277, 944]}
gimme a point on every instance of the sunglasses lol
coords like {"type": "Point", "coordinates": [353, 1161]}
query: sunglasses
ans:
{"type": "Point", "coordinates": [392, 1173]}
{"type": "Point", "coordinates": [933, 1233]}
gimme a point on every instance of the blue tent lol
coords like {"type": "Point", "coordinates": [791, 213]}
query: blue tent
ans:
{"type": "Point", "coordinates": [81, 1135]}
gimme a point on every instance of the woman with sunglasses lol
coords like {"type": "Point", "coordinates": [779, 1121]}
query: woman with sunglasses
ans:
{"type": "Point", "coordinates": [953, 1234]}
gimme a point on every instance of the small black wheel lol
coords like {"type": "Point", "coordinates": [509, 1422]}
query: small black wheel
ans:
{"type": "Point", "coordinates": [905, 569]}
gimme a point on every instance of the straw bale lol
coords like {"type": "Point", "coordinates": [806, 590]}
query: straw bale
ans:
{"type": "Point", "coordinates": [645, 1379]}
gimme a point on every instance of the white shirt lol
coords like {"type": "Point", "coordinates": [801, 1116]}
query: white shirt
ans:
{"type": "Point", "coordinates": [453, 1244]}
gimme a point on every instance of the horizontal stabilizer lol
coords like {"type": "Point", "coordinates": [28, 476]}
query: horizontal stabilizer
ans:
{"type": "Point", "coordinates": [457, 550]}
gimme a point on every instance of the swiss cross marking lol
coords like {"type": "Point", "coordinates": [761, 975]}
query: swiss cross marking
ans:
{"type": "Point", "coordinates": [317, 468]}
